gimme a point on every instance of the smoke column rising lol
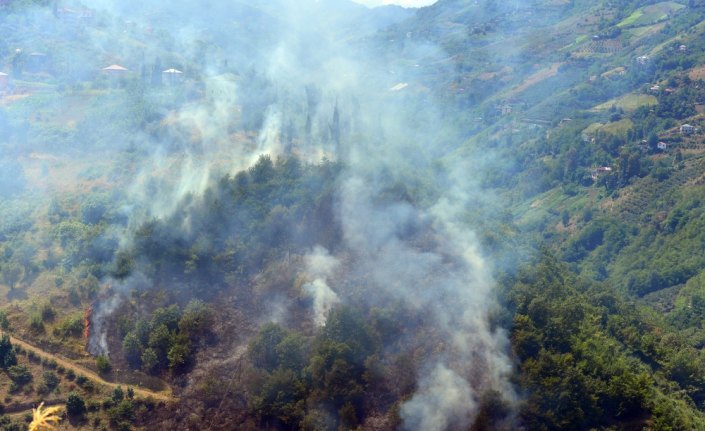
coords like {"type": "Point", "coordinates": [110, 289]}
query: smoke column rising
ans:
{"type": "Point", "coordinates": [320, 265]}
{"type": "Point", "coordinates": [399, 137]}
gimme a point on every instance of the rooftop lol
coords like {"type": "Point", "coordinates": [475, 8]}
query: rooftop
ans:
{"type": "Point", "coordinates": [115, 67]}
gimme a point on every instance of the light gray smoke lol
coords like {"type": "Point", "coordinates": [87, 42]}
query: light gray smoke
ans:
{"type": "Point", "coordinates": [112, 297]}
{"type": "Point", "coordinates": [320, 265]}
{"type": "Point", "coordinates": [401, 178]}
{"type": "Point", "coordinates": [444, 401]}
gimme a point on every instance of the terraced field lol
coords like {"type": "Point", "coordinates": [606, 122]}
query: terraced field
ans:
{"type": "Point", "coordinates": [629, 102]}
{"type": "Point", "coordinates": [652, 14]}
{"type": "Point", "coordinates": [642, 195]}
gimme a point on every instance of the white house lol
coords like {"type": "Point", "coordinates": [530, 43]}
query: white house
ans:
{"type": "Point", "coordinates": [172, 76]}
{"type": "Point", "coordinates": [642, 59]}
{"type": "Point", "coordinates": [599, 171]}
{"type": "Point", "coordinates": [687, 129]}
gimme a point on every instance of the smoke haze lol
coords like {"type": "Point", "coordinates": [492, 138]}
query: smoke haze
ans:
{"type": "Point", "coordinates": [304, 79]}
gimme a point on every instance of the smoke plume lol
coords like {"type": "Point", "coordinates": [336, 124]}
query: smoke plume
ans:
{"type": "Point", "coordinates": [444, 401]}
{"type": "Point", "coordinates": [320, 265]}
{"type": "Point", "coordinates": [304, 78]}
{"type": "Point", "coordinates": [104, 307]}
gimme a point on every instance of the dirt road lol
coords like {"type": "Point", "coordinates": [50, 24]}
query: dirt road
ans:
{"type": "Point", "coordinates": [68, 364]}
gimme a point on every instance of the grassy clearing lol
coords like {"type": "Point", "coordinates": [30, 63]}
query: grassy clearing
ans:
{"type": "Point", "coordinates": [651, 14]}
{"type": "Point", "coordinates": [619, 128]}
{"type": "Point", "coordinates": [537, 77]}
{"type": "Point", "coordinates": [631, 19]}
{"type": "Point", "coordinates": [547, 205]}
{"type": "Point", "coordinates": [638, 33]}
{"type": "Point", "coordinates": [697, 73]}
{"type": "Point", "coordinates": [629, 102]}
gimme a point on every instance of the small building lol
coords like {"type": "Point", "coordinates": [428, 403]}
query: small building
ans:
{"type": "Point", "coordinates": [643, 59]}
{"type": "Point", "coordinates": [655, 89]}
{"type": "Point", "coordinates": [115, 74]}
{"type": "Point", "coordinates": [115, 69]}
{"type": "Point", "coordinates": [600, 171]}
{"type": "Point", "coordinates": [682, 48]}
{"type": "Point", "coordinates": [687, 129]}
{"type": "Point", "coordinates": [662, 146]}
{"type": "Point", "coordinates": [172, 76]}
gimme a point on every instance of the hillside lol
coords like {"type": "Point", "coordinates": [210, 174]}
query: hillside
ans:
{"type": "Point", "coordinates": [477, 215]}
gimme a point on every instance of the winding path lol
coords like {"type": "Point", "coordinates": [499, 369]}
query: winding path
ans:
{"type": "Point", "coordinates": [166, 395]}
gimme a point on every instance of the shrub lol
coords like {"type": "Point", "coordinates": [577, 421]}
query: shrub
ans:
{"type": "Point", "coordinates": [7, 352]}
{"type": "Point", "coordinates": [75, 405]}
{"type": "Point", "coordinates": [48, 312]}
{"type": "Point", "coordinates": [19, 374]}
{"type": "Point", "coordinates": [50, 379]}
{"type": "Point", "coordinates": [118, 394]}
{"type": "Point", "coordinates": [71, 326]}
{"type": "Point", "coordinates": [4, 322]}
{"type": "Point", "coordinates": [103, 364]}
{"type": "Point", "coordinates": [36, 322]}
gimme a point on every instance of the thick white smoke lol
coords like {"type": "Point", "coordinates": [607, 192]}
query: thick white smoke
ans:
{"type": "Point", "coordinates": [384, 139]}
{"type": "Point", "coordinates": [452, 283]}
{"type": "Point", "coordinates": [320, 265]}
{"type": "Point", "coordinates": [443, 401]}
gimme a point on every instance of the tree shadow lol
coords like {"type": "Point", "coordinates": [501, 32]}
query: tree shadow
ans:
{"type": "Point", "coordinates": [16, 294]}
{"type": "Point", "coordinates": [77, 421]}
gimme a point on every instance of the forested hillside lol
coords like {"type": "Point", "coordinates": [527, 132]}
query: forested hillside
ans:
{"type": "Point", "coordinates": [311, 215]}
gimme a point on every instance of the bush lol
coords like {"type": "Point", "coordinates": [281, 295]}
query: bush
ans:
{"type": "Point", "coordinates": [107, 403]}
{"type": "Point", "coordinates": [84, 382]}
{"type": "Point", "coordinates": [133, 349]}
{"type": "Point", "coordinates": [93, 209]}
{"type": "Point", "coordinates": [7, 353]}
{"type": "Point", "coordinates": [197, 320]}
{"type": "Point", "coordinates": [71, 326]}
{"type": "Point", "coordinates": [4, 322]}
{"type": "Point", "coordinates": [150, 360]}
{"type": "Point", "coordinates": [124, 411]}
{"type": "Point", "coordinates": [36, 322]}
{"type": "Point", "coordinates": [93, 406]}
{"type": "Point", "coordinates": [48, 312]}
{"type": "Point", "coordinates": [19, 374]}
{"type": "Point", "coordinates": [118, 394]}
{"type": "Point", "coordinates": [75, 405]}
{"type": "Point", "coordinates": [103, 364]}
{"type": "Point", "coordinates": [50, 380]}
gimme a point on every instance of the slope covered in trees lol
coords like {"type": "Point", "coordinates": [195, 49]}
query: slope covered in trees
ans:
{"type": "Point", "coordinates": [477, 216]}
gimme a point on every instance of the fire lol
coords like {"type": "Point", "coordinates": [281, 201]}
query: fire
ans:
{"type": "Point", "coordinates": [88, 315]}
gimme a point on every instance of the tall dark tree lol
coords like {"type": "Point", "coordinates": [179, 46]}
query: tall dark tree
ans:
{"type": "Point", "coordinates": [7, 352]}
{"type": "Point", "coordinates": [335, 128]}
{"type": "Point", "coordinates": [157, 72]}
